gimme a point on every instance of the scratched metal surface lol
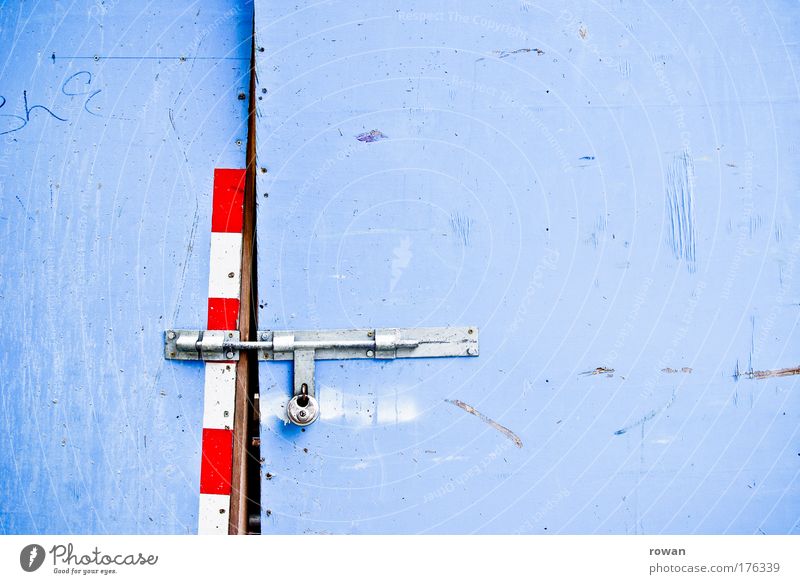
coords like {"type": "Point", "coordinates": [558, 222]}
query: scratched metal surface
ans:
{"type": "Point", "coordinates": [104, 231]}
{"type": "Point", "coordinates": [608, 190]}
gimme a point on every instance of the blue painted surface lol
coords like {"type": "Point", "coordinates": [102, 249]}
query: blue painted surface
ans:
{"type": "Point", "coordinates": [104, 227]}
{"type": "Point", "coordinates": [609, 191]}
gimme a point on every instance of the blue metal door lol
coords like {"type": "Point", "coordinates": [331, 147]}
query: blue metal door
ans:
{"type": "Point", "coordinates": [609, 191]}
{"type": "Point", "coordinates": [113, 117]}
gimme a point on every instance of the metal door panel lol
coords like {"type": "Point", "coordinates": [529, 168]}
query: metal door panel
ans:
{"type": "Point", "coordinates": [607, 191]}
{"type": "Point", "coordinates": [104, 219]}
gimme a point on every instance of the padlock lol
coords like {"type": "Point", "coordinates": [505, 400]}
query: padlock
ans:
{"type": "Point", "coordinates": [302, 409]}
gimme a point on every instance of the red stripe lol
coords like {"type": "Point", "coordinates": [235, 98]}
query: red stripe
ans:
{"type": "Point", "coordinates": [223, 314]}
{"type": "Point", "coordinates": [228, 204]}
{"type": "Point", "coordinates": [216, 467]}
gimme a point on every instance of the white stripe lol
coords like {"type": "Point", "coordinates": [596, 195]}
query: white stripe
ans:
{"type": "Point", "coordinates": [219, 395]}
{"type": "Point", "coordinates": [220, 378]}
{"type": "Point", "coordinates": [211, 521]}
{"type": "Point", "coordinates": [226, 265]}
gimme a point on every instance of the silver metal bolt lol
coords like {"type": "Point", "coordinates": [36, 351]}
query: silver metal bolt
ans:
{"type": "Point", "coordinates": [229, 354]}
{"type": "Point", "coordinates": [264, 336]}
{"type": "Point", "coordinates": [171, 335]}
{"type": "Point", "coordinates": [370, 353]}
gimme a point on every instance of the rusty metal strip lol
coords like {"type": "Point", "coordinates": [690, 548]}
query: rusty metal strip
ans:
{"type": "Point", "coordinates": [246, 484]}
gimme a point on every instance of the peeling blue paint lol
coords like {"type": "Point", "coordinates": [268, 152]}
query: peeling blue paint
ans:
{"type": "Point", "coordinates": [371, 136]}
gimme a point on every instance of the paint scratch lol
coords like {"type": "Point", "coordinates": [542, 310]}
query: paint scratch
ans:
{"type": "Point", "coordinates": [504, 54]}
{"type": "Point", "coordinates": [648, 416]}
{"type": "Point", "coordinates": [599, 371]}
{"type": "Point", "coordinates": [681, 370]}
{"type": "Point", "coordinates": [500, 428]}
{"type": "Point", "coordinates": [766, 374]}
{"type": "Point", "coordinates": [187, 260]}
{"type": "Point", "coordinates": [371, 136]}
{"type": "Point", "coordinates": [461, 226]}
{"type": "Point", "coordinates": [680, 209]}
{"type": "Point", "coordinates": [177, 136]}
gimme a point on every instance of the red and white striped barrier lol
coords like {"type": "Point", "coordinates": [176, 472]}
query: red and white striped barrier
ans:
{"type": "Point", "coordinates": [220, 380]}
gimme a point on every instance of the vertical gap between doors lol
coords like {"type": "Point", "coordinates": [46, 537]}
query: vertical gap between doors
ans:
{"type": "Point", "coordinates": [245, 512]}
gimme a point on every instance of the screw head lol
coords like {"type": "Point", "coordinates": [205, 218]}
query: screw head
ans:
{"type": "Point", "coordinates": [264, 336]}
{"type": "Point", "coordinates": [370, 353]}
{"type": "Point", "coordinates": [229, 354]}
{"type": "Point", "coordinates": [171, 335]}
